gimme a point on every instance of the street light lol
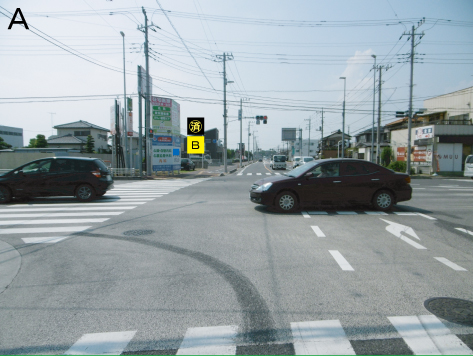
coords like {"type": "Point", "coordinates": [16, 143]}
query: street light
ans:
{"type": "Point", "coordinates": [343, 124]}
{"type": "Point", "coordinates": [124, 99]}
{"type": "Point", "coordinates": [374, 99]}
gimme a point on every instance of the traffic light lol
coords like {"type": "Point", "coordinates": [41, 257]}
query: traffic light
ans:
{"type": "Point", "coordinates": [150, 133]}
{"type": "Point", "coordinates": [263, 118]}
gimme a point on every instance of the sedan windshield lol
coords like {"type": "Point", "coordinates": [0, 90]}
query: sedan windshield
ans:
{"type": "Point", "coordinates": [302, 169]}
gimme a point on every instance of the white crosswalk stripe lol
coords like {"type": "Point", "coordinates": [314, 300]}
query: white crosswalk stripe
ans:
{"type": "Point", "coordinates": [423, 334]}
{"type": "Point", "coordinates": [54, 211]}
{"type": "Point", "coordinates": [111, 343]}
{"type": "Point", "coordinates": [323, 337]}
{"type": "Point", "coordinates": [214, 340]}
{"type": "Point", "coordinates": [427, 335]}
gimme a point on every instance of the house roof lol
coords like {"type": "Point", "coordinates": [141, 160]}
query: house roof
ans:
{"type": "Point", "coordinates": [80, 125]}
{"type": "Point", "coordinates": [65, 140]}
{"type": "Point", "coordinates": [368, 131]}
{"type": "Point", "coordinates": [336, 133]}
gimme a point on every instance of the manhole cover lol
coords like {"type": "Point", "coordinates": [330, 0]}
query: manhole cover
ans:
{"type": "Point", "coordinates": [138, 232]}
{"type": "Point", "coordinates": [452, 309]}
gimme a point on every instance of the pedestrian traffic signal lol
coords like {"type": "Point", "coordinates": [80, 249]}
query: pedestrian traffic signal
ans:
{"type": "Point", "coordinates": [150, 133]}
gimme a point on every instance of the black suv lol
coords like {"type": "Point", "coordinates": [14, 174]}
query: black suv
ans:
{"type": "Point", "coordinates": [85, 178]}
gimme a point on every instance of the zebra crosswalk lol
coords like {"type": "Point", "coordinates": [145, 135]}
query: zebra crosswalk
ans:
{"type": "Point", "coordinates": [421, 334]}
{"type": "Point", "coordinates": [52, 220]}
{"type": "Point", "coordinates": [259, 174]}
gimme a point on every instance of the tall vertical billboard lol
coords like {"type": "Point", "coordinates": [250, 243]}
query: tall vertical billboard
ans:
{"type": "Point", "coordinates": [166, 144]}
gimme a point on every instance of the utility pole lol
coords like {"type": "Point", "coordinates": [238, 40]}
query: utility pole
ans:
{"type": "Point", "coordinates": [249, 134]}
{"type": "Point", "coordinates": [52, 129]}
{"type": "Point", "coordinates": [147, 102]}
{"type": "Point", "coordinates": [374, 101]}
{"type": "Point", "coordinates": [308, 151]}
{"type": "Point", "coordinates": [378, 131]}
{"type": "Point", "coordinates": [322, 139]}
{"type": "Point", "coordinates": [300, 140]}
{"type": "Point", "coordinates": [125, 116]}
{"type": "Point", "coordinates": [343, 124]}
{"type": "Point", "coordinates": [224, 58]}
{"type": "Point", "coordinates": [240, 117]}
{"type": "Point", "coordinates": [409, 122]}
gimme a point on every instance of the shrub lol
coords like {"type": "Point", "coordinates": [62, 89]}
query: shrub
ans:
{"type": "Point", "coordinates": [398, 166]}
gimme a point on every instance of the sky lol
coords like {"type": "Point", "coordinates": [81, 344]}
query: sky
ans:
{"type": "Point", "coordinates": [287, 58]}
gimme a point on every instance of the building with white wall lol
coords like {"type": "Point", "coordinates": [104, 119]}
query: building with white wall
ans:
{"type": "Point", "coordinates": [12, 135]}
{"type": "Point", "coordinates": [74, 135]}
{"type": "Point", "coordinates": [441, 137]}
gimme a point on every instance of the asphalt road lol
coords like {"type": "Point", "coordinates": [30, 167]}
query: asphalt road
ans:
{"type": "Point", "coordinates": [189, 263]}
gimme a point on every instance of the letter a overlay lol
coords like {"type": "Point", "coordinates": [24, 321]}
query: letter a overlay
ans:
{"type": "Point", "coordinates": [23, 21]}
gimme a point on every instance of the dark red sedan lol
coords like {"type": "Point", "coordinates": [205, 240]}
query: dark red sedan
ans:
{"type": "Point", "coordinates": [338, 181]}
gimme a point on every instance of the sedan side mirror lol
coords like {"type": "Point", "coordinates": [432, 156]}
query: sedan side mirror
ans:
{"type": "Point", "coordinates": [309, 175]}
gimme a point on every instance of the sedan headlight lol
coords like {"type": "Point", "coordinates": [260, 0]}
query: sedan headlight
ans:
{"type": "Point", "coordinates": [264, 187]}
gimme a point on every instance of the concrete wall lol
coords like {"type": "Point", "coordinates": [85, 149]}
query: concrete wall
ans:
{"type": "Point", "coordinates": [11, 160]}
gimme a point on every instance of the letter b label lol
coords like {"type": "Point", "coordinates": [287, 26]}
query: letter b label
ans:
{"type": "Point", "coordinates": [195, 144]}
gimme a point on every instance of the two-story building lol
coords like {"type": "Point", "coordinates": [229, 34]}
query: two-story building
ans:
{"type": "Point", "coordinates": [362, 145]}
{"type": "Point", "coordinates": [441, 137]}
{"type": "Point", "coordinates": [332, 144]}
{"type": "Point", "coordinates": [74, 135]}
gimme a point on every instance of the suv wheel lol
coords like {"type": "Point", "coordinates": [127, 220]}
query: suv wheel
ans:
{"type": "Point", "coordinates": [5, 195]}
{"type": "Point", "coordinates": [85, 192]}
{"type": "Point", "coordinates": [383, 200]}
{"type": "Point", "coordinates": [286, 202]}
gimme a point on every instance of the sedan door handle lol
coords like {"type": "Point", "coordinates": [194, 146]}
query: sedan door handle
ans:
{"type": "Point", "coordinates": [375, 179]}
{"type": "Point", "coordinates": [337, 181]}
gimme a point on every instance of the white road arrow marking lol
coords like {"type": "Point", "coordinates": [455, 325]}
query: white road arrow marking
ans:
{"type": "Point", "coordinates": [397, 230]}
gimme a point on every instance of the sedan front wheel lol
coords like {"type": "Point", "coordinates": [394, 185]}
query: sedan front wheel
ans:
{"type": "Point", "coordinates": [286, 202]}
{"type": "Point", "coordinates": [383, 200]}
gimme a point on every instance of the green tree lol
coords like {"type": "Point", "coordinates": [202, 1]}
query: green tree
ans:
{"type": "Point", "coordinates": [230, 154]}
{"type": "Point", "coordinates": [386, 155]}
{"type": "Point", "coordinates": [90, 145]}
{"type": "Point", "coordinates": [32, 143]}
{"type": "Point", "coordinates": [3, 144]}
{"type": "Point", "coordinates": [41, 141]}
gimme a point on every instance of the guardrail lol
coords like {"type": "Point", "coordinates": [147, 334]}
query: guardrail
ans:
{"type": "Point", "coordinates": [125, 172]}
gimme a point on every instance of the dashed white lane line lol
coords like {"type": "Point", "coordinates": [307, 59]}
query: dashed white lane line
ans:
{"type": "Point", "coordinates": [450, 264]}
{"type": "Point", "coordinates": [376, 213]}
{"type": "Point", "coordinates": [39, 230]}
{"type": "Point", "coordinates": [304, 214]}
{"type": "Point", "coordinates": [321, 337]}
{"type": "Point", "coordinates": [268, 174]}
{"type": "Point", "coordinates": [426, 335]}
{"type": "Point", "coordinates": [70, 209]}
{"type": "Point", "coordinates": [258, 174]}
{"type": "Point", "coordinates": [44, 240]}
{"type": "Point", "coordinates": [56, 221]}
{"type": "Point", "coordinates": [342, 262]}
{"type": "Point", "coordinates": [112, 343]}
{"type": "Point", "coordinates": [213, 340]}
{"type": "Point", "coordinates": [426, 216]}
{"type": "Point", "coordinates": [249, 174]}
{"type": "Point", "coordinates": [11, 207]}
{"type": "Point", "coordinates": [317, 231]}
{"type": "Point", "coordinates": [57, 215]}
{"type": "Point", "coordinates": [464, 230]}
